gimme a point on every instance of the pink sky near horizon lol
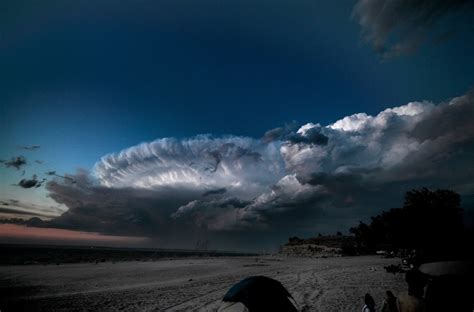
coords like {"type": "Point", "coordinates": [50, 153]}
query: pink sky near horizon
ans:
{"type": "Point", "coordinates": [15, 232]}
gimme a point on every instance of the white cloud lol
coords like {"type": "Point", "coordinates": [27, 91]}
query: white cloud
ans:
{"type": "Point", "coordinates": [242, 165]}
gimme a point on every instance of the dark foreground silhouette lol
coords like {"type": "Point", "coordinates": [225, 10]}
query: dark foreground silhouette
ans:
{"type": "Point", "coordinates": [433, 287]}
{"type": "Point", "coordinates": [258, 293]}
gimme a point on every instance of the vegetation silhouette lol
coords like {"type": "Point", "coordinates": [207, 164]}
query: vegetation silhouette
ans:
{"type": "Point", "coordinates": [430, 222]}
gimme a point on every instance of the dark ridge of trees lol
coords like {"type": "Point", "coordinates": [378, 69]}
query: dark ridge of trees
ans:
{"type": "Point", "coordinates": [335, 241]}
{"type": "Point", "coordinates": [429, 222]}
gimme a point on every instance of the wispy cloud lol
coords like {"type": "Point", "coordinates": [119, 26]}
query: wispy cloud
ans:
{"type": "Point", "coordinates": [30, 147]}
{"type": "Point", "coordinates": [11, 207]}
{"type": "Point", "coordinates": [15, 162]}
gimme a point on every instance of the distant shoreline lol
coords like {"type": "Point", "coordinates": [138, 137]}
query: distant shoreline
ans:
{"type": "Point", "coordinates": [19, 254]}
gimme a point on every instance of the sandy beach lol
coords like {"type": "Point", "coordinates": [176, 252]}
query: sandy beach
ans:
{"type": "Point", "coordinates": [327, 284]}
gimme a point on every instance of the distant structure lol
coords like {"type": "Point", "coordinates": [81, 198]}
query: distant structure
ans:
{"type": "Point", "coordinates": [318, 247]}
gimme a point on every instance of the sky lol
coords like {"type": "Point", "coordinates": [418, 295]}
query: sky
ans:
{"type": "Point", "coordinates": [237, 122]}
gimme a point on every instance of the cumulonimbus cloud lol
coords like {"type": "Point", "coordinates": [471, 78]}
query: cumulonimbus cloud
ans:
{"type": "Point", "coordinates": [290, 181]}
{"type": "Point", "coordinates": [240, 164]}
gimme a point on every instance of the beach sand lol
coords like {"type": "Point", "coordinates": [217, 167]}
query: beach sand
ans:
{"type": "Point", "coordinates": [328, 284]}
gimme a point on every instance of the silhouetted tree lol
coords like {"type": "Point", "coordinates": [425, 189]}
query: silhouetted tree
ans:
{"type": "Point", "coordinates": [430, 221]}
{"type": "Point", "coordinates": [294, 240]}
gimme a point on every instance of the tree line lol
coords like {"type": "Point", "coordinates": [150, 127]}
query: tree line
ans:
{"type": "Point", "coordinates": [430, 222]}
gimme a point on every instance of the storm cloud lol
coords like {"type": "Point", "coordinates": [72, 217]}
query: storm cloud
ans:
{"type": "Point", "coordinates": [309, 134]}
{"type": "Point", "coordinates": [218, 191]}
{"type": "Point", "coordinates": [233, 188]}
{"type": "Point", "coordinates": [402, 26]}
{"type": "Point", "coordinates": [242, 165]}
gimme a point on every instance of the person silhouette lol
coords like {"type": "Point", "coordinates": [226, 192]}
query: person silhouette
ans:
{"type": "Point", "coordinates": [389, 304]}
{"type": "Point", "coordinates": [369, 305]}
{"type": "Point", "coordinates": [413, 301]}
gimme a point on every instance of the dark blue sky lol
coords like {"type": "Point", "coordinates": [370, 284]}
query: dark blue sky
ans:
{"type": "Point", "coordinates": [108, 75]}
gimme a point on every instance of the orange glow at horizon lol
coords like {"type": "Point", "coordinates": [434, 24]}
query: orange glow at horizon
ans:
{"type": "Point", "coordinates": [24, 232]}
